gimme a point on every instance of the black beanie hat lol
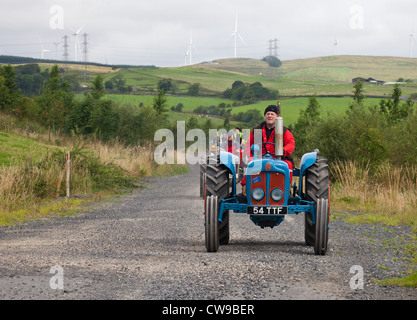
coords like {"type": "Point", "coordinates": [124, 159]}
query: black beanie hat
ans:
{"type": "Point", "coordinates": [271, 108]}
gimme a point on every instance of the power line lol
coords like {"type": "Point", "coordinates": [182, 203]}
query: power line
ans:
{"type": "Point", "coordinates": [85, 54]}
{"type": "Point", "coordinates": [274, 48]}
{"type": "Point", "coordinates": [23, 44]}
{"type": "Point", "coordinates": [85, 48]}
{"type": "Point", "coordinates": [66, 48]}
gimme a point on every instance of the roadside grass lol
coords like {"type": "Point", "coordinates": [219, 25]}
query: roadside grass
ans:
{"type": "Point", "coordinates": [407, 281]}
{"type": "Point", "coordinates": [32, 180]}
{"type": "Point", "coordinates": [409, 248]}
{"type": "Point", "coordinates": [12, 147]}
{"type": "Point", "coordinates": [62, 207]}
{"type": "Point", "coordinates": [387, 197]}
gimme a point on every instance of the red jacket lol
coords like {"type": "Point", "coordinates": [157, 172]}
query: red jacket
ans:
{"type": "Point", "coordinates": [231, 146]}
{"type": "Point", "coordinates": [289, 143]}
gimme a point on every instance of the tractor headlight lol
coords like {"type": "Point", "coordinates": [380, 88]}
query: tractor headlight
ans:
{"type": "Point", "coordinates": [277, 195]}
{"type": "Point", "coordinates": [258, 194]}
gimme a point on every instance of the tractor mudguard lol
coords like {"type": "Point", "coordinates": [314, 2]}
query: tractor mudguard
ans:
{"type": "Point", "coordinates": [230, 161]}
{"type": "Point", "coordinates": [307, 161]}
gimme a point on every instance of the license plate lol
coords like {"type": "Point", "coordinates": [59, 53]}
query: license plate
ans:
{"type": "Point", "coordinates": [267, 210]}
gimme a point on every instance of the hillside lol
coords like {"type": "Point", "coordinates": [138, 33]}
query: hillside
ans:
{"type": "Point", "coordinates": [326, 76]}
{"type": "Point", "coordinates": [332, 68]}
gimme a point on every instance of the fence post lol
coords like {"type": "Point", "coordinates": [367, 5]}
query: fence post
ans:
{"type": "Point", "coordinates": [68, 174]}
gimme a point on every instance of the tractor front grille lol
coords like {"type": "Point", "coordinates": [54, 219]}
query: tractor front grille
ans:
{"type": "Point", "coordinates": [268, 181]}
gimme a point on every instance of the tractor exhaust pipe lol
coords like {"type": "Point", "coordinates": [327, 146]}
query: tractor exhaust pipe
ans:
{"type": "Point", "coordinates": [279, 134]}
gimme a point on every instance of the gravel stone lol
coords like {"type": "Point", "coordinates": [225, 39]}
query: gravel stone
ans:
{"type": "Point", "coordinates": [149, 245]}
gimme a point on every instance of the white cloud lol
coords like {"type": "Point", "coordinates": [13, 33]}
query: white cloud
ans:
{"type": "Point", "coordinates": [157, 31]}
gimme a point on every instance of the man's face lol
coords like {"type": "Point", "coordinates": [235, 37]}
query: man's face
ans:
{"type": "Point", "coordinates": [270, 118]}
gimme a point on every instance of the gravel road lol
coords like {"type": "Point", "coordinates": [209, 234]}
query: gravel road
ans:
{"type": "Point", "coordinates": [149, 245]}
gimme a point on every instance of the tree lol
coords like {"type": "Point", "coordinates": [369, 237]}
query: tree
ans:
{"type": "Point", "coordinates": [4, 95]}
{"type": "Point", "coordinates": [9, 76]}
{"type": "Point", "coordinates": [165, 84]}
{"type": "Point", "coordinates": [237, 84]}
{"type": "Point", "coordinates": [358, 93]}
{"type": "Point", "coordinates": [78, 118]}
{"type": "Point", "coordinates": [226, 124]}
{"type": "Point", "coordinates": [55, 101]}
{"type": "Point", "coordinates": [9, 97]}
{"type": "Point", "coordinates": [160, 102]}
{"type": "Point", "coordinates": [105, 121]}
{"type": "Point", "coordinates": [393, 109]}
{"type": "Point", "coordinates": [98, 87]}
{"type": "Point", "coordinates": [249, 92]}
{"type": "Point", "coordinates": [306, 121]}
{"type": "Point", "coordinates": [109, 85]}
{"type": "Point", "coordinates": [194, 89]}
{"type": "Point", "coordinates": [146, 123]}
{"type": "Point", "coordinates": [272, 61]}
{"type": "Point", "coordinates": [253, 117]}
{"type": "Point", "coordinates": [178, 107]}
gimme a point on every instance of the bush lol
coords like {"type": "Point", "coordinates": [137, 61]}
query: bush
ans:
{"type": "Point", "coordinates": [272, 61]}
{"type": "Point", "coordinates": [249, 93]}
{"type": "Point", "coordinates": [194, 89]}
{"type": "Point", "coordinates": [366, 135]}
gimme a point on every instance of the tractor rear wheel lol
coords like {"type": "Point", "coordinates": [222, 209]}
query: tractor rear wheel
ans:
{"type": "Point", "coordinates": [212, 224]}
{"type": "Point", "coordinates": [218, 184]}
{"type": "Point", "coordinates": [316, 187]}
{"type": "Point", "coordinates": [203, 169]}
{"type": "Point", "coordinates": [322, 225]}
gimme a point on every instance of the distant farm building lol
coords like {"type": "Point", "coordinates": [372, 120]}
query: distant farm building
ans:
{"type": "Point", "coordinates": [370, 80]}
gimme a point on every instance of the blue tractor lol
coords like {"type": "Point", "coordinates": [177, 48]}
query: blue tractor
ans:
{"type": "Point", "coordinates": [269, 195]}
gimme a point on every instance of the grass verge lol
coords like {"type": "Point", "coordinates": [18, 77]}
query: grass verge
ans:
{"type": "Point", "coordinates": [386, 195]}
{"type": "Point", "coordinates": [32, 179]}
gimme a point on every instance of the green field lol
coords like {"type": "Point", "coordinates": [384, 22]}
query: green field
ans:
{"type": "Point", "coordinates": [290, 107]}
{"type": "Point", "coordinates": [190, 103]}
{"type": "Point", "coordinates": [324, 75]}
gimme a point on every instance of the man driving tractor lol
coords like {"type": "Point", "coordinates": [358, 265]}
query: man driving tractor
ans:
{"type": "Point", "coordinates": [268, 135]}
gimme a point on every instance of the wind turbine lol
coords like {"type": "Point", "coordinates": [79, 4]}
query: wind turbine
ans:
{"type": "Point", "coordinates": [43, 50]}
{"type": "Point", "coordinates": [189, 52]}
{"type": "Point", "coordinates": [235, 34]}
{"type": "Point", "coordinates": [412, 41]}
{"type": "Point", "coordinates": [76, 42]}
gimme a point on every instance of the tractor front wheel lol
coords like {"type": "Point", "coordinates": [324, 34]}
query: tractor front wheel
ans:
{"type": "Point", "coordinates": [322, 225]}
{"type": "Point", "coordinates": [212, 224]}
{"type": "Point", "coordinates": [218, 184]}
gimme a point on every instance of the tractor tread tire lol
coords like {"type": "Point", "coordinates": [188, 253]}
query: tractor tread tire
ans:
{"type": "Point", "coordinates": [212, 224]}
{"type": "Point", "coordinates": [322, 224]}
{"type": "Point", "coordinates": [316, 187]}
{"type": "Point", "coordinates": [217, 184]}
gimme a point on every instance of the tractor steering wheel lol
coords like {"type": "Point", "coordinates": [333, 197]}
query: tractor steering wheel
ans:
{"type": "Point", "coordinates": [266, 150]}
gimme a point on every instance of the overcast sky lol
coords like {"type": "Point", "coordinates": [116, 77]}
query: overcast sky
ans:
{"type": "Point", "coordinates": [158, 32]}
